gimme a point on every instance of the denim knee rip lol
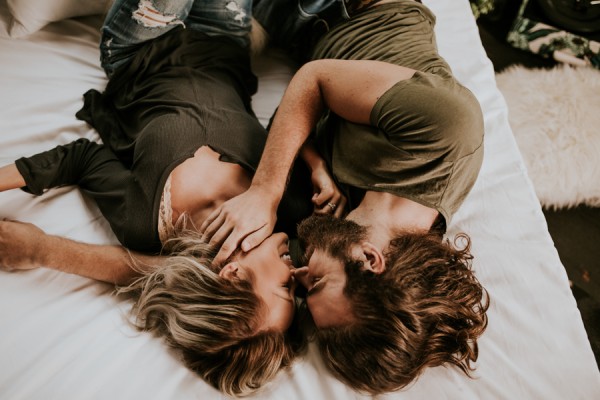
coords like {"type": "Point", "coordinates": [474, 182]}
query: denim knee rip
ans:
{"type": "Point", "coordinates": [149, 16]}
{"type": "Point", "coordinates": [240, 14]}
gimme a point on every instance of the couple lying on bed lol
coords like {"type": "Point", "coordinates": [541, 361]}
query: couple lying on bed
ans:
{"type": "Point", "coordinates": [383, 131]}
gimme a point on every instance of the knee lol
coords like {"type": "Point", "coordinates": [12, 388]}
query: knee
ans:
{"type": "Point", "coordinates": [150, 15]}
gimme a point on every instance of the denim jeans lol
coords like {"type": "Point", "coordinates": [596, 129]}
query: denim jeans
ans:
{"type": "Point", "coordinates": [296, 24]}
{"type": "Point", "coordinates": [130, 23]}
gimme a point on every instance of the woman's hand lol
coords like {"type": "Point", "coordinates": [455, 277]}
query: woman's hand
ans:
{"type": "Point", "coordinates": [327, 197]}
{"type": "Point", "coordinates": [20, 245]}
{"type": "Point", "coordinates": [245, 220]}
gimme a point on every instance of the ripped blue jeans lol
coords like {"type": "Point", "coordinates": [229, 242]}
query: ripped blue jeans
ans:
{"type": "Point", "coordinates": [130, 23]}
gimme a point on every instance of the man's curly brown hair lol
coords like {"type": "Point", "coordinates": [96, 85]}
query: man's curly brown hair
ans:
{"type": "Point", "coordinates": [426, 309]}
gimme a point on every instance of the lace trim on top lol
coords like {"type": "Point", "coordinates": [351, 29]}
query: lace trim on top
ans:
{"type": "Point", "coordinates": [166, 228]}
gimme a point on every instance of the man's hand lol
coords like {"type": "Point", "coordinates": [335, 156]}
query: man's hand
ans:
{"type": "Point", "coordinates": [244, 220]}
{"type": "Point", "coordinates": [20, 245]}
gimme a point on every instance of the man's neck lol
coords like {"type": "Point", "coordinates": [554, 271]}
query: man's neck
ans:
{"type": "Point", "coordinates": [386, 215]}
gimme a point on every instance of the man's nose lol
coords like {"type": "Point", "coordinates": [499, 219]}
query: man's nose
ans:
{"type": "Point", "coordinates": [301, 275]}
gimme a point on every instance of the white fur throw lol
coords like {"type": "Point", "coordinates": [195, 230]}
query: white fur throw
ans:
{"type": "Point", "coordinates": [555, 117]}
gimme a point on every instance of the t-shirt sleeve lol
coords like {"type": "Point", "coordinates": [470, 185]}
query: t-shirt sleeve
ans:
{"type": "Point", "coordinates": [430, 117]}
{"type": "Point", "coordinates": [81, 162]}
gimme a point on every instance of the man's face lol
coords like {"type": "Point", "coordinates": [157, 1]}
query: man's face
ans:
{"type": "Point", "coordinates": [324, 276]}
{"type": "Point", "coordinates": [324, 279]}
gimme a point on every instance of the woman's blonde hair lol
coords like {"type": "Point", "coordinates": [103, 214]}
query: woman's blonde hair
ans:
{"type": "Point", "coordinates": [214, 322]}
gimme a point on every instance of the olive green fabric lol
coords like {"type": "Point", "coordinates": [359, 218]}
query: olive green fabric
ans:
{"type": "Point", "coordinates": [426, 138]}
{"type": "Point", "coordinates": [400, 33]}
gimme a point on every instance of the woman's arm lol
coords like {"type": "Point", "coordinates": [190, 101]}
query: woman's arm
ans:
{"type": "Point", "coordinates": [90, 165]}
{"type": "Point", "coordinates": [25, 246]}
{"type": "Point", "coordinates": [10, 178]}
{"type": "Point", "coordinates": [350, 89]}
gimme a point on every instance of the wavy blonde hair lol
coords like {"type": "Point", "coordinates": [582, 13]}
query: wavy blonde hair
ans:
{"type": "Point", "coordinates": [212, 321]}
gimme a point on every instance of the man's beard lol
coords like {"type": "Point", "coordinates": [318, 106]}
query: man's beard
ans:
{"type": "Point", "coordinates": [333, 235]}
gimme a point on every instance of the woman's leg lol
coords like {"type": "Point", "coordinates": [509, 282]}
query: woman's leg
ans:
{"type": "Point", "coordinates": [231, 18]}
{"type": "Point", "coordinates": [130, 23]}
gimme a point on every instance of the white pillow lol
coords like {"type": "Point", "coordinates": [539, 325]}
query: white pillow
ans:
{"type": "Point", "coordinates": [29, 16]}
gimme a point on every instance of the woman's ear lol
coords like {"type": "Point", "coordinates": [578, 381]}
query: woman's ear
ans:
{"type": "Point", "coordinates": [230, 271]}
{"type": "Point", "coordinates": [375, 261]}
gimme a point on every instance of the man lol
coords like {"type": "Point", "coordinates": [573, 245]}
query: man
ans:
{"type": "Point", "coordinates": [405, 140]}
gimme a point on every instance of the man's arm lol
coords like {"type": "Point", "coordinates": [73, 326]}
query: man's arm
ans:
{"type": "Point", "coordinates": [25, 246]}
{"type": "Point", "coordinates": [350, 89]}
{"type": "Point", "coordinates": [251, 216]}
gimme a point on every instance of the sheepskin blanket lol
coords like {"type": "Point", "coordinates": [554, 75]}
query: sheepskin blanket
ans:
{"type": "Point", "coordinates": [555, 118]}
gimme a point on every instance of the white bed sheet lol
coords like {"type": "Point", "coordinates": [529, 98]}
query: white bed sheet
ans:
{"type": "Point", "coordinates": [66, 337]}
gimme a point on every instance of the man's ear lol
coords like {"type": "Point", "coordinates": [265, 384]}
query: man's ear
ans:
{"type": "Point", "coordinates": [375, 262]}
{"type": "Point", "coordinates": [230, 271]}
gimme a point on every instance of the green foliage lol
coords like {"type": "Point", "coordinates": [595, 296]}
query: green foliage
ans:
{"type": "Point", "coordinates": [481, 7]}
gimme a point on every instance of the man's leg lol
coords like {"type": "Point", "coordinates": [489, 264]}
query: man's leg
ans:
{"type": "Point", "coordinates": [130, 23]}
{"type": "Point", "coordinates": [296, 25]}
{"type": "Point", "coordinates": [231, 18]}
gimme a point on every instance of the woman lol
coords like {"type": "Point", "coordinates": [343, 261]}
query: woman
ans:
{"type": "Point", "coordinates": [180, 138]}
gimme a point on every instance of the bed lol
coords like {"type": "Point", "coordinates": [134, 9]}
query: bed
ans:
{"type": "Point", "coordinates": [67, 337]}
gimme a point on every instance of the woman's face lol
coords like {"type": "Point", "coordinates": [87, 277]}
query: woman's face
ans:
{"type": "Point", "coordinates": [271, 267]}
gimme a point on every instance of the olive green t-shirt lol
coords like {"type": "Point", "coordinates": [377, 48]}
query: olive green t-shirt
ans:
{"type": "Point", "coordinates": [425, 142]}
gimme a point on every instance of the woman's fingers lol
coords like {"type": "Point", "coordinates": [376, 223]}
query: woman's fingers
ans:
{"type": "Point", "coordinates": [333, 204]}
{"type": "Point", "coordinates": [320, 198]}
{"type": "Point", "coordinates": [341, 207]}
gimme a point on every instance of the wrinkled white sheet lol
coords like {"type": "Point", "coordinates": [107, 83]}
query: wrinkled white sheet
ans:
{"type": "Point", "coordinates": [66, 337]}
